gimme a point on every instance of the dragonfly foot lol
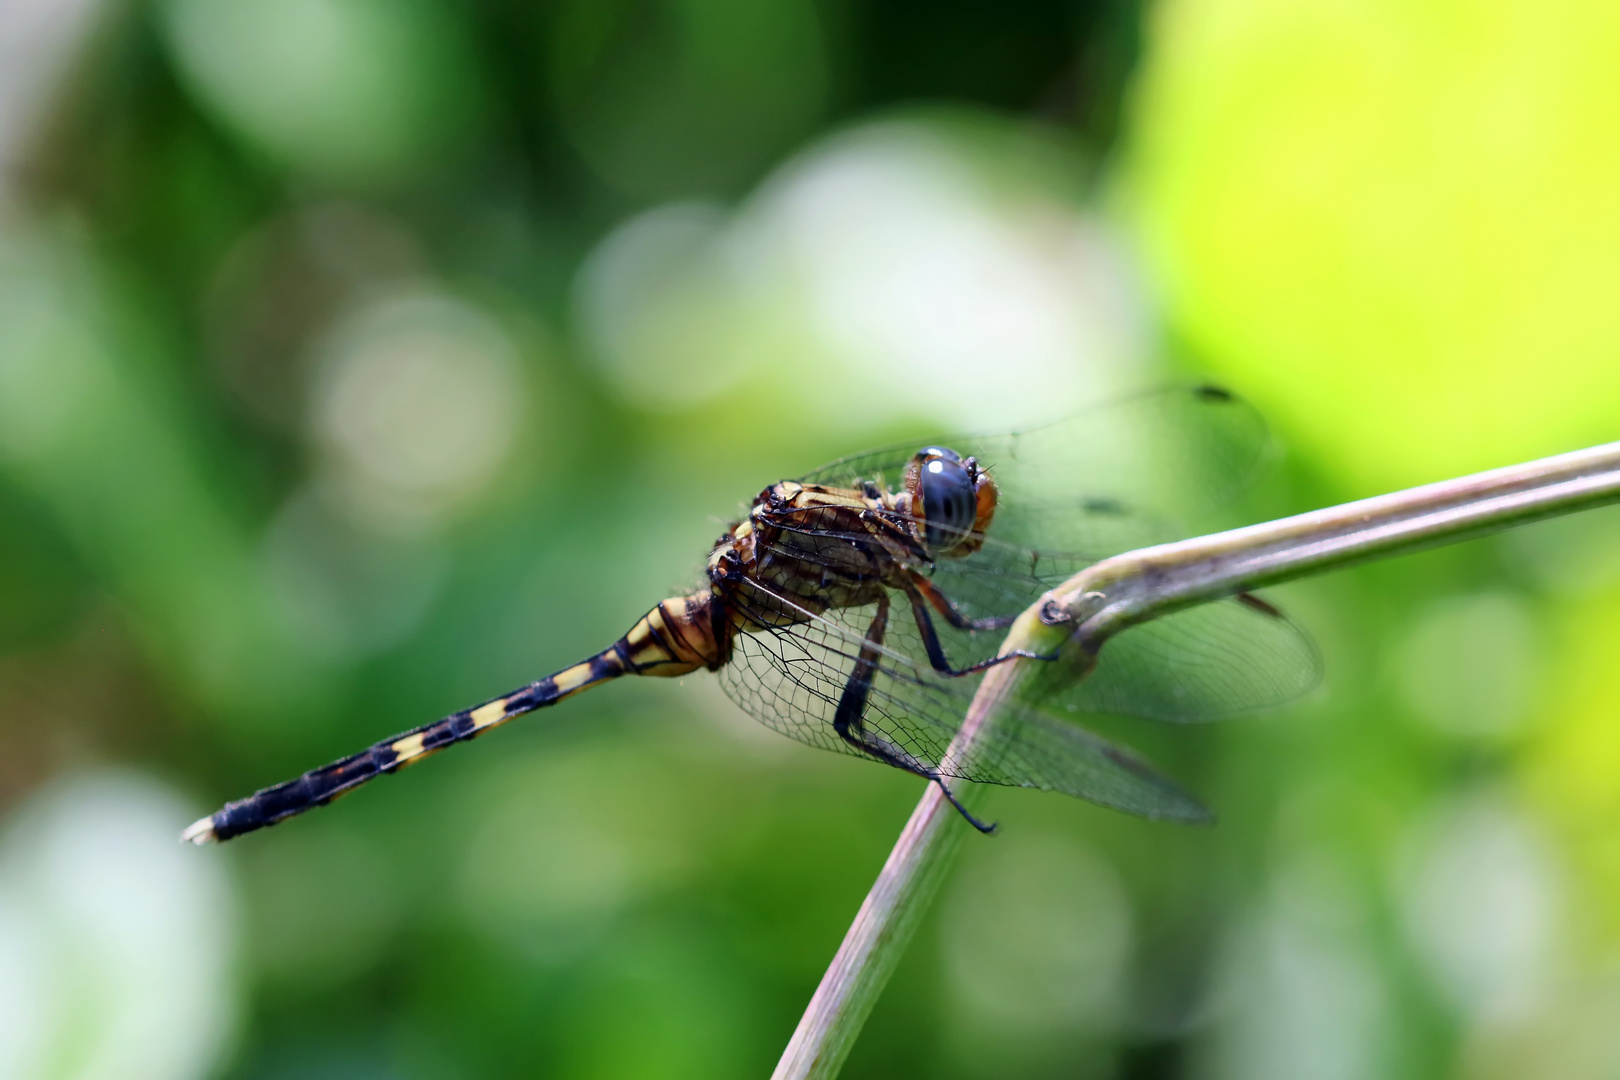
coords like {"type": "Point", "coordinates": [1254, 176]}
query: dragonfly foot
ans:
{"type": "Point", "coordinates": [1053, 613]}
{"type": "Point", "coordinates": [960, 809]}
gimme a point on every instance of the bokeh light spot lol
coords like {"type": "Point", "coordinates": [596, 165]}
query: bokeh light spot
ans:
{"type": "Point", "coordinates": [115, 943]}
{"type": "Point", "coordinates": [1469, 665]}
{"type": "Point", "coordinates": [347, 90]}
{"type": "Point", "coordinates": [1480, 900]}
{"type": "Point", "coordinates": [50, 363]}
{"type": "Point", "coordinates": [649, 297]}
{"type": "Point", "coordinates": [417, 402]}
{"type": "Point", "coordinates": [1300, 990]}
{"type": "Point", "coordinates": [1037, 938]}
{"type": "Point", "coordinates": [915, 267]}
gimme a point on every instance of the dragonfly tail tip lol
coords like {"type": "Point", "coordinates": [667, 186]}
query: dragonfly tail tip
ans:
{"type": "Point", "coordinates": [200, 832]}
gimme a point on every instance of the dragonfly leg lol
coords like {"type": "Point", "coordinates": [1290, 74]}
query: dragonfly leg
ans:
{"type": "Point", "coordinates": [985, 827]}
{"type": "Point", "coordinates": [847, 720]}
{"type": "Point", "coordinates": [851, 727]}
{"type": "Point", "coordinates": [952, 613]}
{"type": "Point", "coordinates": [936, 652]}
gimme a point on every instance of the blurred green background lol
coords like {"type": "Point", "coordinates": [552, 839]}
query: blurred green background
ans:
{"type": "Point", "coordinates": [361, 360]}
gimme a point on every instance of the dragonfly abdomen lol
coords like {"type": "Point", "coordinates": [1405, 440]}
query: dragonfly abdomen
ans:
{"type": "Point", "coordinates": [678, 636]}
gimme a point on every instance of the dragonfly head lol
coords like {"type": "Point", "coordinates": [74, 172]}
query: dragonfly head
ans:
{"type": "Point", "coordinates": [952, 498]}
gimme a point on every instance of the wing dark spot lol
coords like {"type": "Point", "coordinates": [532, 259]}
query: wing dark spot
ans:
{"type": "Point", "coordinates": [1252, 601]}
{"type": "Point", "coordinates": [1112, 507]}
{"type": "Point", "coordinates": [1213, 393]}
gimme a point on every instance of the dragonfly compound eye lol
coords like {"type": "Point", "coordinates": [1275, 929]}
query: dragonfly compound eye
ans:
{"type": "Point", "coordinates": [950, 502]}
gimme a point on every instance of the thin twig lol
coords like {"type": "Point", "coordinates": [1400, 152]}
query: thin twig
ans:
{"type": "Point", "coordinates": [1132, 588]}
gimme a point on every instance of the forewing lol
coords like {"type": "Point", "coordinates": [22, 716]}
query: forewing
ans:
{"type": "Point", "coordinates": [1150, 461]}
{"type": "Point", "coordinates": [884, 466]}
{"type": "Point", "coordinates": [1115, 477]}
{"type": "Point", "coordinates": [1118, 475]}
{"type": "Point", "coordinates": [792, 677]}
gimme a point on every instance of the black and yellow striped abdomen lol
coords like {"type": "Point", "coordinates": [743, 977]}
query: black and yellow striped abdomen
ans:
{"type": "Point", "coordinates": [678, 636]}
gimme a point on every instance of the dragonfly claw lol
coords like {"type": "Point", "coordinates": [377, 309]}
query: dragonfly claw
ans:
{"type": "Point", "coordinates": [1053, 614]}
{"type": "Point", "coordinates": [987, 829]}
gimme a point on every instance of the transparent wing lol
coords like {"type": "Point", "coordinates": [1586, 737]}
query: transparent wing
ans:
{"type": "Point", "coordinates": [1118, 475]}
{"type": "Point", "coordinates": [1001, 580]}
{"type": "Point", "coordinates": [1115, 477]}
{"type": "Point", "coordinates": [1206, 663]}
{"type": "Point", "coordinates": [791, 678]}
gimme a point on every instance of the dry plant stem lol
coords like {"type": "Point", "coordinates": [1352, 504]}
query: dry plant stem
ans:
{"type": "Point", "coordinates": [1132, 588]}
{"type": "Point", "coordinates": [906, 883]}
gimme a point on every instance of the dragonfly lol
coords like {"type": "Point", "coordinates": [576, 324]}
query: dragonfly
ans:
{"type": "Point", "coordinates": [856, 608]}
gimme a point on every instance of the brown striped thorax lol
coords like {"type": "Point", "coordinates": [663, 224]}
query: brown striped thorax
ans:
{"type": "Point", "coordinates": [827, 547]}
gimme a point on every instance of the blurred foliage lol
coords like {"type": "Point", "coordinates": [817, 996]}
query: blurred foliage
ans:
{"type": "Point", "coordinates": [359, 361]}
{"type": "Point", "coordinates": [1413, 206]}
